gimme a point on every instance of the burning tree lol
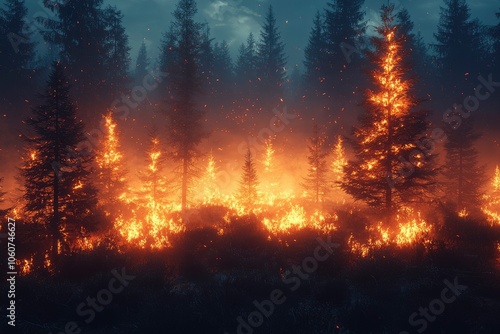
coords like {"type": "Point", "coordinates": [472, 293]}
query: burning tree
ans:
{"type": "Point", "coordinates": [496, 181]}
{"type": "Point", "coordinates": [316, 182]}
{"type": "Point", "coordinates": [389, 130]}
{"type": "Point", "coordinates": [208, 182]}
{"type": "Point", "coordinates": [492, 201]}
{"type": "Point", "coordinates": [186, 131]}
{"type": "Point", "coordinates": [111, 175]}
{"type": "Point", "coordinates": [57, 189]}
{"type": "Point", "coordinates": [249, 182]}
{"type": "Point", "coordinates": [464, 177]}
{"type": "Point", "coordinates": [339, 161]}
{"type": "Point", "coordinates": [153, 195]}
{"type": "Point", "coordinates": [155, 183]}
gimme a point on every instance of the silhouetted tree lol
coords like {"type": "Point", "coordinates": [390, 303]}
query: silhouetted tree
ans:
{"type": "Point", "coordinates": [118, 59]}
{"type": "Point", "coordinates": [17, 50]}
{"type": "Point", "coordinates": [142, 64]}
{"type": "Point", "coordinates": [316, 61]}
{"type": "Point", "coordinates": [460, 48]}
{"type": "Point", "coordinates": [186, 130]}
{"type": "Point", "coordinates": [246, 76]}
{"type": "Point", "coordinates": [495, 34]}
{"type": "Point", "coordinates": [344, 31]}
{"type": "Point", "coordinates": [57, 187]}
{"type": "Point", "coordinates": [206, 63]}
{"type": "Point", "coordinates": [271, 62]}
{"type": "Point", "coordinates": [223, 73]}
{"type": "Point", "coordinates": [316, 182]}
{"type": "Point", "coordinates": [465, 178]}
{"type": "Point", "coordinates": [249, 182]}
{"type": "Point", "coordinates": [416, 56]}
{"type": "Point", "coordinates": [93, 47]}
{"type": "Point", "coordinates": [388, 130]}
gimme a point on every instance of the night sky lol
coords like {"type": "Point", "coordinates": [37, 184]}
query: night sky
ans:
{"type": "Point", "coordinates": [233, 20]}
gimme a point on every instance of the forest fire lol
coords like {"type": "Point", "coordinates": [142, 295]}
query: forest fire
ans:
{"type": "Point", "coordinates": [255, 184]}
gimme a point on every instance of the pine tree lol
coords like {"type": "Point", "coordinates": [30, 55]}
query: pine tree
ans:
{"type": "Point", "coordinates": [416, 56]}
{"type": "Point", "coordinates": [388, 130]}
{"type": "Point", "coordinates": [186, 131]}
{"type": "Point", "coordinates": [464, 176]}
{"type": "Point", "coordinates": [142, 64]}
{"type": "Point", "coordinates": [154, 193]}
{"type": "Point", "coordinates": [206, 62]}
{"type": "Point", "coordinates": [168, 58]}
{"type": "Point", "coordinates": [316, 60]}
{"type": "Point", "coordinates": [118, 59]}
{"type": "Point", "coordinates": [18, 51]}
{"type": "Point", "coordinates": [155, 185]}
{"type": "Point", "coordinates": [208, 183]}
{"type": "Point", "coordinates": [110, 172]}
{"type": "Point", "coordinates": [339, 161]}
{"type": "Point", "coordinates": [316, 182]}
{"type": "Point", "coordinates": [271, 62]}
{"type": "Point", "coordinates": [343, 32]}
{"type": "Point", "coordinates": [460, 48]}
{"type": "Point", "coordinates": [57, 187]}
{"type": "Point", "coordinates": [495, 34]}
{"type": "Point", "coordinates": [223, 73]}
{"type": "Point", "coordinates": [249, 182]}
{"type": "Point", "coordinates": [245, 73]}
{"type": "Point", "coordinates": [81, 35]}
{"type": "Point", "coordinates": [93, 47]}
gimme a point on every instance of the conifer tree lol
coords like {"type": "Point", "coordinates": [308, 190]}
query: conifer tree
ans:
{"type": "Point", "coordinates": [118, 58]}
{"type": "Point", "coordinates": [388, 130]}
{"type": "Point", "coordinates": [464, 176]}
{"type": "Point", "coordinates": [110, 171]}
{"type": "Point", "coordinates": [155, 185]}
{"type": "Point", "coordinates": [339, 161]}
{"type": "Point", "coordinates": [271, 62]}
{"type": "Point", "coordinates": [460, 48]}
{"type": "Point", "coordinates": [316, 182]}
{"type": "Point", "coordinates": [142, 64]}
{"type": "Point", "coordinates": [316, 60]}
{"type": "Point", "coordinates": [58, 192]}
{"type": "Point", "coordinates": [17, 49]}
{"type": "Point", "coordinates": [246, 75]}
{"type": "Point", "coordinates": [249, 182]}
{"type": "Point", "coordinates": [495, 34]}
{"type": "Point", "coordinates": [182, 62]}
{"type": "Point", "coordinates": [344, 30]}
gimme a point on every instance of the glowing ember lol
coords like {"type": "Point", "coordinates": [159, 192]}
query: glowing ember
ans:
{"type": "Point", "coordinates": [25, 266]}
{"type": "Point", "coordinates": [463, 213]}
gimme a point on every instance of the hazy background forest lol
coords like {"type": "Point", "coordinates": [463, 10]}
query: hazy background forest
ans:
{"type": "Point", "coordinates": [208, 167]}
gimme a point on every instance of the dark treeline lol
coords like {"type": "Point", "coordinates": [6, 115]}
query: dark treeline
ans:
{"type": "Point", "coordinates": [196, 83]}
{"type": "Point", "coordinates": [92, 44]}
{"type": "Point", "coordinates": [401, 95]}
